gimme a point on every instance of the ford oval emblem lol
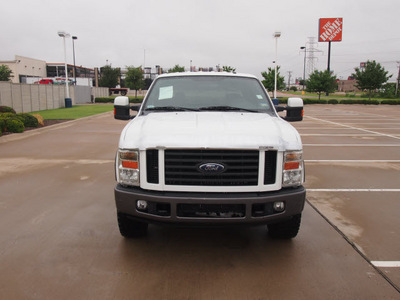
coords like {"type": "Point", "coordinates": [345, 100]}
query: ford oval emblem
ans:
{"type": "Point", "coordinates": [211, 168]}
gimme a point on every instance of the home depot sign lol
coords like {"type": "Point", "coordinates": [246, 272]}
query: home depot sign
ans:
{"type": "Point", "coordinates": [330, 29]}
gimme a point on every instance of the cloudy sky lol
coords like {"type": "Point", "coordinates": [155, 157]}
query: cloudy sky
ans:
{"type": "Point", "coordinates": [238, 33]}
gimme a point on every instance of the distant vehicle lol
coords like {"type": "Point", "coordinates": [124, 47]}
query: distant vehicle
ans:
{"type": "Point", "coordinates": [44, 81]}
{"type": "Point", "coordinates": [123, 91]}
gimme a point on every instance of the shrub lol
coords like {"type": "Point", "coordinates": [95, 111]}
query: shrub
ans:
{"type": "Point", "coordinates": [333, 101]}
{"type": "Point", "coordinates": [391, 102]}
{"type": "Point", "coordinates": [14, 125]}
{"type": "Point", "coordinates": [314, 101]}
{"type": "Point", "coordinates": [39, 118]}
{"type": "Point", "coordinates": [28, 120]}
{"type": "Point", "coordinates": [6, 109]}
{"type": "Point", "coordinates": [8, 115]}
{"type": "Point", "coordinates": [104, 100]}
{"type": "Point", "coordinates": [2, 124]}
{"type": "Point", "coordinates": [111, 100]}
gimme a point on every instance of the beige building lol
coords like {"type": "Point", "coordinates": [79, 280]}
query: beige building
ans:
{"type": "Point", "coordinates": [25, 67]}
{"type": "Point", "coordinates": [347, 86]}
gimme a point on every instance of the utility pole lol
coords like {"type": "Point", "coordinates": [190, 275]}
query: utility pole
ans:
{"type": "Point", "coordinates": [290, 74]}
{"type": "Point", "coordinates": [398, 80]}
{"type": "Point", "coordinates": [311, 49]}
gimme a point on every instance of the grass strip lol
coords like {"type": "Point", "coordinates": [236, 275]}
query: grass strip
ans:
{"type": "Point", "coordinates": [74, 112]}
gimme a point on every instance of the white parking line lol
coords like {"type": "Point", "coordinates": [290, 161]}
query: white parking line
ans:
{"type": "Point", "coordinates": [386, 264]}
{"type": "Point", "coordinates": [352, 127]}
{"type": "Point", "coordinates": [352, 145]}
{"type": "Point", "coordinates": [353, 190]}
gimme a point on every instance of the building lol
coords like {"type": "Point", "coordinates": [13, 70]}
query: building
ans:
{"type": "Point", "coordinates": [347, 86]}
{"type": "Point", "coordinates": [24, 67]}
{"type": "Point", "coordinates": [30, 70]}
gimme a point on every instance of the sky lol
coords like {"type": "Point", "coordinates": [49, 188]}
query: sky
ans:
{"type": "Point", "coordinates": [236, 33]}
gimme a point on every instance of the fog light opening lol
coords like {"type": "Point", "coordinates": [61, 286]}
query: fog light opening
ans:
{"type": "Point", "coordinates": [141, 205]}
{"type": "Point", "coordinates": [279, 206]}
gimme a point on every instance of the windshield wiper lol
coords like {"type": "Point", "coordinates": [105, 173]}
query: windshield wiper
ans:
{"type": "Point", "coordinates": [170, 108]}
{"type": "Point", "coordinates": [227, 108]}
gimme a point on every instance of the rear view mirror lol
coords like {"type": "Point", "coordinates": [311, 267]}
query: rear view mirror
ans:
{"type": "Point", "coordinates": [121, 108]}
{"type": "Point", "coordinates": [294, 110]}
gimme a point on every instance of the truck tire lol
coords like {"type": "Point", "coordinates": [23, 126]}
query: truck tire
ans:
{"type": "Point", "coordinates": [285, 230]}
{"type": "Point", "coordinates": [123, 93]}
{"type": "Point", "coordinates": [129, 228]}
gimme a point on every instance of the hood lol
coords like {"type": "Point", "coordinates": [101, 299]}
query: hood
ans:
{"type": "Point", "coordinates": [227, 130]}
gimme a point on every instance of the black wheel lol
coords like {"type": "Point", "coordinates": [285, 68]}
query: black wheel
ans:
{"type": "Point", "coordinates": [285, 230]}
{"type": "Point", "coordinates": [129, 228]}
{"type": "Point", "coordinates": [123, 93]}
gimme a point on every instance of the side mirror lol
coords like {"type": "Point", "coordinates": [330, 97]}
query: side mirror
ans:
{"type": "Point", "coordinates": [294, 110]}
{"type": "Point", "coordinates": [121, 108]}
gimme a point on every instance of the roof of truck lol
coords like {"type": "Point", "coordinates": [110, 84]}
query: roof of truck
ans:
{"type": "Point", "coordinates": [207, 74]}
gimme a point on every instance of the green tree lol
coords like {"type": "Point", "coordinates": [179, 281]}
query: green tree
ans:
{"type": "Point", "coordinates": [176, 69]}
{"type": "Point", "coordinates": [134, 78]}
{"type": "Point", "coordinates": [109, 76]}
{"type": "Point", "coordinates": [371, 78]}
{"type": "Point", "coordinates": [228, 69]}
{"type": "Point", "coordinates": [5, 73]}
{"type": "Point", "coordinates": [320, 82]}
{"type": "Point", "coordinates": [269, 79]}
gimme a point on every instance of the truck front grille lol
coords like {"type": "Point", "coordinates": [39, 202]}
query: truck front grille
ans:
{"type": "Point", "coordinates": [240, 167]}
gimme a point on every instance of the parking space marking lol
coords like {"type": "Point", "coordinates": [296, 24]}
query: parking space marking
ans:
{"type": "Point", "coordinates": [386, 264]}
{"type": "Point", "coordinates": [352, 145]}
{"type": "Point", "coordinates": [353, 190]}
{"type": "Point", "coordinates": [337, 134]}
{"type": "Point", "coordinates": [352, 127]}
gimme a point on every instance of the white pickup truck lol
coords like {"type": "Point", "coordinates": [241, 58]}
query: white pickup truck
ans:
{"type": "Point", "coordinates": [209, 149]}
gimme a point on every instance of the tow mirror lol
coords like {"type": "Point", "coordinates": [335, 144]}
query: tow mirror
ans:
{"type": "Point", "coordinates": [122, 108]}
{"type": "Point", "coordinates": [294, 109]}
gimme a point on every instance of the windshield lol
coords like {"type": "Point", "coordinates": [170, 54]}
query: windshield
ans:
{"type": "Point", "coordinates": [207, 93]}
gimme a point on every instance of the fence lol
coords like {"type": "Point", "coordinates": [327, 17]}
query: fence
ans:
{"type": "Point", "coordinates": [33, 97]}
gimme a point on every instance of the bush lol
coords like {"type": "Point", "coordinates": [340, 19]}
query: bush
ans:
{"type": "Point", "coordinates": [111, 100]}
{"type": "Point", "coordinates": [39, 118]}
{"type": "Point", "coordinates": [104, 100]}
{"type": "Point", "coordinates": [14, 125]}
{"type": "Point", "coordinates": [2, 125]}
{"type": "Point", "coordinates": [391, 102]}
{"type": "Point", "coordinates": [6, 109]}
{"type": "Point", "coordinates": [314, 101]}
{"type": "Point", "coordinates": [28, 120]}
{"type": "Point", "coordinates": [333, 101]}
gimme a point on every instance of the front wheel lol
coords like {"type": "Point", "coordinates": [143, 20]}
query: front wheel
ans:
{"type": "Point", "coordinates": [285, 230]}
{"type": "Point", "coordinates": [130, 228]}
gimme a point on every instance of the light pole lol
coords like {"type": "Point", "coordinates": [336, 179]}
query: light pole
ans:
{"type": "Point", "coordinates": [73, 50]}
{"type": "Point", "coordinates": [304, 68]}
{"type": "Point", "coordinates": [64, 35]}
{"type": "Point", "coordinates": [276, 36]}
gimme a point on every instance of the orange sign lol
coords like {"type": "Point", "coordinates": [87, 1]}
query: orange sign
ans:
{"type": "Point", "coordinates": [330, 30]}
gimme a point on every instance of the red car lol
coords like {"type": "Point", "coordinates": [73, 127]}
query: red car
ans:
{"type": "Point", "coordinates": [45, 81]}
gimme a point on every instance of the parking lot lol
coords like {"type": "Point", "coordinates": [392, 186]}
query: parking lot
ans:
{"type": "Point", "coordinates": [59, 237]}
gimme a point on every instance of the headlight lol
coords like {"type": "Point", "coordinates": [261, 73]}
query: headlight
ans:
{"type": "Point", "coordinates": [128, 167]}
{"type": "Point", "coordinates": [292, 168]}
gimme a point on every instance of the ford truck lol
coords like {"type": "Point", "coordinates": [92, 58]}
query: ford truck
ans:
{"type": "Point", "coordinates": [209, 149]}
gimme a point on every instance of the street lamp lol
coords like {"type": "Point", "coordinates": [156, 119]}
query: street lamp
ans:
{"type": "Point", "coordinates": [73, 50]}
{"type": "Point", "coordinates": [304, 68]}
{"type": "Point", "coordinates": [276, 36]}
{"type": "Point", "coordinates": [64, 35]}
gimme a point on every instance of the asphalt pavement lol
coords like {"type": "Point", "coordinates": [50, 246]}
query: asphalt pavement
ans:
{"type": "Point", "coordinates": [59, 237]}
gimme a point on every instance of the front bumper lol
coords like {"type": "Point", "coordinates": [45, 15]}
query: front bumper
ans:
{"type": "Point", "coordinates": [209, 208]}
